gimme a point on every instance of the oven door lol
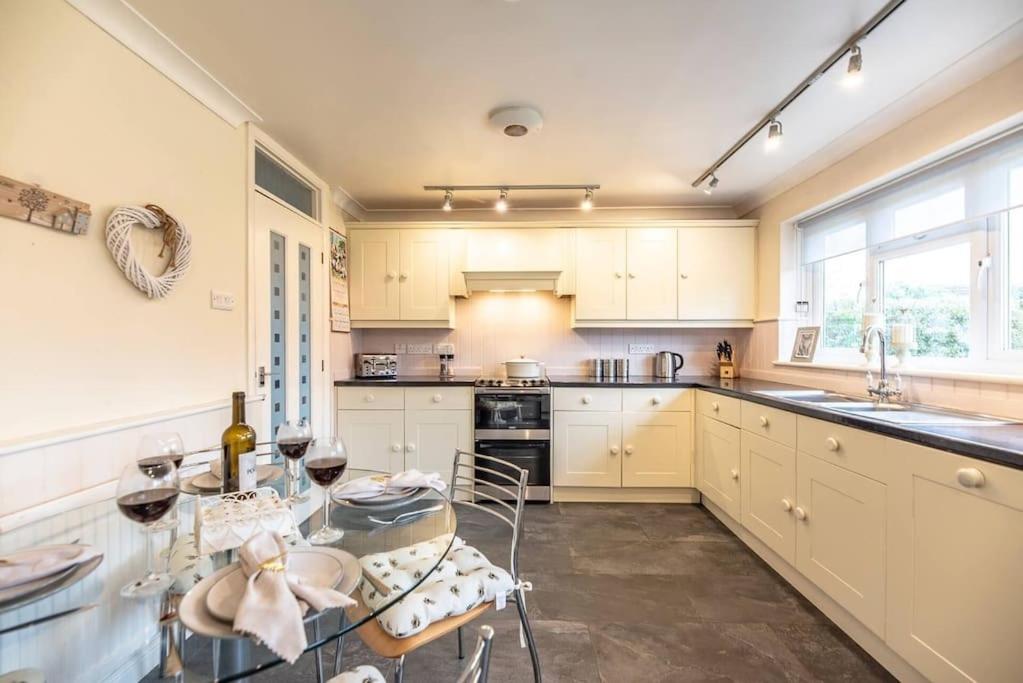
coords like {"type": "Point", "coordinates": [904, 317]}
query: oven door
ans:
{"type": "Point", "coordinates": [532, 455]}
{"type": "Point", "coordinates": [512, 410]}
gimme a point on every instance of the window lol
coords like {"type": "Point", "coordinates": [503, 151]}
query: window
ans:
{"type": "Point", "coordinates": [277, 179]}
{"type": "Point", "coordinates": [940, 250]}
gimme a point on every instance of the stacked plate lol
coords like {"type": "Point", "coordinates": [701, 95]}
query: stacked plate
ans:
{"type": "Point", "coordinates": [384, 500]}
{"type": "Point", "coordinates": [209, 608]}
{"type": "Point", "coordinates": [46, 570]}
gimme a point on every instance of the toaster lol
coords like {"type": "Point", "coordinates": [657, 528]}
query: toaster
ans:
{"type": "Point", "coordinates": [376, 365]}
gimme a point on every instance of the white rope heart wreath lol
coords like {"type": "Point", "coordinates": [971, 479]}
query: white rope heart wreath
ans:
{"type": "Point", "coordinates": [176, 237]}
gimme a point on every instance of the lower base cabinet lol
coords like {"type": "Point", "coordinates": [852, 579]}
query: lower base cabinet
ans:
{"type": "Point", "coordinates": [769, 493]}
{"type": "Point", "coordinates": [656, 449]}
{"type": "Point", "coordinates": [586, 448]}
{"type": "Point", "coordinates": [433, 436]}
{"type": "Point", "coordinates": [717, 464]}
{"type": "Point", "coordinates": [956, 566]}
{"type": "Point", "coordinates": [375, 438]}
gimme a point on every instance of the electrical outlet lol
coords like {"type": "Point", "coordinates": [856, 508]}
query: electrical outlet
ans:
{"type": "Point", "coordinates": [641, 348]}
{"type": "Point", "coordinates": [420, 349]}
{"type": "Point", "coordinates": [399, 348]}
{"type": "Point", "coordinates": [221, 301]}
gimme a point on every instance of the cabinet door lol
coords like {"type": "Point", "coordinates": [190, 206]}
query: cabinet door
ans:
{"type": "Point", "coordinates": [600, 274]}
{"type": "Point", "coordinates": [374, 274]}
{"type": "Point", "coordinates": [840, 537]}
{"type": "Point", "coordinates": [586, 449]}
{"type": "Point", "coordinates": [716, 273]}
{"type": "Point", "coordinates": [656, 449]}
{"type": "Point", "coordinates": [956, 550]}
{"type": "Point", "coordinates": [375, 439]}
{"type": "Point", "coordinates": [423, 276]}
{"type": "Point", "coordinates": [769, 493]}
{"type": "Point", "coordinates": [432, 436]}
{"type": "Point", "coordinates": [717, 464]}
{"type": "Point", "coordinates": [651, 275]}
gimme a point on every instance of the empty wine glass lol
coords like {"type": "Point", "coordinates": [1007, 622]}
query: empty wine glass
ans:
{"type": "Point", "coordinates": [144, 495]}
{"type": "Point", "coordinates": [153, 450]}
{"type": "Point", "coordinates": [292, 441]}
{"type": "Point", "coordinates": [325, 462]}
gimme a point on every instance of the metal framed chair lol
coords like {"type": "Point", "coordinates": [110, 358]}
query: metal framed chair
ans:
{"type": "Point", "coordinates": [502, 494]}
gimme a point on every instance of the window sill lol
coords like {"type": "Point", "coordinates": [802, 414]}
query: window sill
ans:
{"type": "Point", "coordinates": [934, 373]}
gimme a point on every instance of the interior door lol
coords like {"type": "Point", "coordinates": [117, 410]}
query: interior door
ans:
{"type": "Point", "coordinates": [656, 449]}
{"type": "Point", "coordinates": [374, 274]}
{"type": "Point", "coordinates": [600, 274]}
{"type": "Point", "coordinates": [290, 310]}
{"type": "Point", "coordinates": [423, 276]}
{"type": "Point", "coordinates": [651, 274]}
{"type": "Point", "coordinates": [716, 273]}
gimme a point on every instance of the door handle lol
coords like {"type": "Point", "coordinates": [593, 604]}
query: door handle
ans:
{"type": "Point", "coordinates": [801, 514]}
{"type": "Point", "coordinates": [262, 374]}
{"type": "Point", "coordinates": [391, 275]}
{"type": "Point", "coordinates": [735, 474]}
{"type": "Point", "coordinates": [786, 504]}
{"type": "Point", "coordinates": [396, 447]}
{"type": "Point", "coordinates": [614, 450]}
{"type": "Point", "coordinates": [628, 450]}
{"type": "Point", "coordinates": [411, 448]}
{"type": "Point", "coordinates": [437, 398]}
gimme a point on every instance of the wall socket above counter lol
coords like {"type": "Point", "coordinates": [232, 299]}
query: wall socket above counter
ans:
{"type": "Point", "coordinates": [414, 349]}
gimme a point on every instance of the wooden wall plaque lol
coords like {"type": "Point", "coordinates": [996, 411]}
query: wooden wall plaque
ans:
{"type": "Point", "coordinates": [33, 204]}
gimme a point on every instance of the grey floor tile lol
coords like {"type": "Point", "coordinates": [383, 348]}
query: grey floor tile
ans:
{"type": "Point", "coordinates": [830, 655]}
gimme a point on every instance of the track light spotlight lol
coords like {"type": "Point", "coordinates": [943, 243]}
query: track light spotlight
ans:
{"type": "Point", "coordinates": [774, 134]}
{"type": "Point", "coordinates": [502, 202]}
{"type": "Point", "coordinates": [713, 183]}
{"type": "Point", "coordinates": [854, 72]}
{"type": "Point", "coordinates": [587, 202]}
{"type": "Point", "coordinates": [448, 200]}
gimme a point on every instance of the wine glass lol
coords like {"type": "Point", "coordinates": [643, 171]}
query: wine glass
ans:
{"type": "Point", "coordinates": [153, 450]}
{"type": "Point", "coordinates": [325, 462]}
{"type": "Point", "coordinates": [292, 441]}
{"type": "Point", "coordinates": [144, 495]}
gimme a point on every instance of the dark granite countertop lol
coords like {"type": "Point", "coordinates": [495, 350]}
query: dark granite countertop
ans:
{"type": "Point", "coordinates": [408, 381]}
{"type": "Point", "coordinates": [1000, 443]}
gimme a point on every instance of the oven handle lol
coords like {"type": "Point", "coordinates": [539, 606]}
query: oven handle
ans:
{"type": "Point", "coordinates": [512, 435]}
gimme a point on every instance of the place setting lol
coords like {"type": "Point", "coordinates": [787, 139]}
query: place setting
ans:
{"type": "Point", "coordinates": [31, 574]}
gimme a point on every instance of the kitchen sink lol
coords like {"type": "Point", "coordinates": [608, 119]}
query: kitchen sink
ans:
{"type": "Point", "coordinates": [808, 395]}
{"type": "Point", "coordinates": [898, 413]}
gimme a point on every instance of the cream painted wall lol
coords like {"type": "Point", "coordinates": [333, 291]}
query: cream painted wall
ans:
{"type": "Point", "coordinates": [84, 117]}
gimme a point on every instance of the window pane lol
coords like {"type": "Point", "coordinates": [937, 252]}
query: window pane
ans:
{"type": "Point", "coordinates": [842, 300]}
{"type": "Point", "coordinates": [275, 178]}
{"type": "Point", "coordinates": [1015, 258]}
{"type": "Point", "coordinates": [943, 209]}
{"type": "Point", "coordinates": [931, 289]}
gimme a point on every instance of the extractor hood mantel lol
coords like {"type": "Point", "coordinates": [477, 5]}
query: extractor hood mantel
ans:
{"type": "Point", "coordinates": [510, 280]}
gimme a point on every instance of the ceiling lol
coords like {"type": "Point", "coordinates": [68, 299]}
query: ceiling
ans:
{"type": "Point", "coordinates": [380, 98]}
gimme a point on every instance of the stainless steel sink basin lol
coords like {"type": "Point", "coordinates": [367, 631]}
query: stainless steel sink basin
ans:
{"type": "Point", "coordinates": [807, 395]}
{"type": "Point", "coordinates": [898, 413]}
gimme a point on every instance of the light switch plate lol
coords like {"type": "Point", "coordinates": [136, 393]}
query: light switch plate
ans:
{"type": "Point", "coordinates": [641, 348]}
{"type": "Point", "coordinates": [420, 348]}
{"type": "Point", "coordinates": [221, 301]}
{"type": "Point", "coordinates": [399, 348]}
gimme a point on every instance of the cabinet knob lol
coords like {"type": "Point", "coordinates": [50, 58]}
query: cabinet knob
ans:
{"type": "Point", "coordinates": [764, 421]}
{"type": "Point", "coordinates": [832, 443]}
{"type": "Point", "coordinates": [684, 276]}
{"type": "Point", "coordinates": [391, 275]}
{"type": "Point", "coordinates": [370, 398]}
{"type": "Point", "coordinates": [396, 447]}
{"type": "Point", "coordinates": [614, 450]}
{"type": "Point", "coordinates": [970, 477]}
{"type": "Point", "coordinates": [628, 450]}
{"type": "Point", "coordinates": [715, 406]}
{"type": "Point", "coordinates": [632, 276]}
{"type": "Point", "coordinates": [786, 504]}
{"type": "Point", "coordinates": [437, 398]}
{"type": "Point", "coordinates": [656, 400]}
{"type": "Point", "coordinates": [735, 474]}
{"type": "Point", "coordinates": [403, 277]}
{"type": "Point", "coordinates": [618, 276]}
{"type": "Point", "coordinates": [411, 448]}
{"type": "Point", "coordinates": [587, 399]}
{"type": "Point", "coordinates": [801, 514]}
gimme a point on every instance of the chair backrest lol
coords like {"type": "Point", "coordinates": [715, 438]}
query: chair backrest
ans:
{"type": "Point", "coordinates": [479, 662]}
{"type": "Point", "coordinates": [495, 487]}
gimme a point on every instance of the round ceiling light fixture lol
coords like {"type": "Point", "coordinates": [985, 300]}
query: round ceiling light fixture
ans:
{"type": "Point", "coordinates": [516, 122]}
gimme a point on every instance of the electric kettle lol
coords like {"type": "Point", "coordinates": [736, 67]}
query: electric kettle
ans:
{"type": "Point", "coordinates": [666, 364]}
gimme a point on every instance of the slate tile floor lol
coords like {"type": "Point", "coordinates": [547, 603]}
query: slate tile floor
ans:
{"type": "Point", "coordinates": [644, 593]}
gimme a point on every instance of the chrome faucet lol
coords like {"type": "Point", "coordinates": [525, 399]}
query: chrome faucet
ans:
{"type": "Point", "coordinates": [884, 390]}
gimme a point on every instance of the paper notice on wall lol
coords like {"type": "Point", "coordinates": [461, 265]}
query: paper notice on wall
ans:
{"type": "Point", "coordinates": [340, 315]}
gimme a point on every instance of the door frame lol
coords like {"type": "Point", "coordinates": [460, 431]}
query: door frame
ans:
{"type": "Point", "coordinates": [256, 138]}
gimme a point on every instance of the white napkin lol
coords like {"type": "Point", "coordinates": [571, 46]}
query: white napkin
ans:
{"type": "Point", "coordinates": [274, 602]}
{"type": "Point", "coordinates": [371, 487]}
{"type": "Point", "coordinates": [34, 563]}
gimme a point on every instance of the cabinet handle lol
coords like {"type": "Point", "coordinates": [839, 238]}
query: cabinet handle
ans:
{"type": "Point", "coordinates": [411, 448]}
{"type": "Point", "coordinates": [370, 398]}
{"type": "Point", "coordinates": [614, 450]}
{"type": "Point", "coordinates": [715, 406]}
{"type": "Point", "coordinates": [437, 398]}
{"type": "Point", "coordinates": [970, 477]}
{"type": "Point", "coordinates": [628, 450]}
{"type": "Point", "coordinates": [587, 399]}
{"type": "Point", "coordinates": [764, 421]}
{"type": "Point", "coordinates": [832, 443]}
{"type": "Point", "coordinates": [684, 276]}
{"type": "Point", "coordinates": [618, 276]}
{"type": "Point", "coordinates": [656, 400]}
{"type": "Point", "coordinates": [801, 514]}
{"type": "Point", "coordinates": [735, 474]}
{"type": "Point", "coordinates": [396, 447]}
{"type": "Point", "coordinates": [786, 504]}
{"type": "Point", "coordinates": [632, 276]}
{"type": "Point", "coordinates": [391, 275]}
{"type": "Point", "coordinates": [403, 277]}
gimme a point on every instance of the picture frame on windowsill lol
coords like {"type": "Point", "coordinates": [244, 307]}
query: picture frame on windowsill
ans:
{"type": "Point", "coordinates": [805, 345]}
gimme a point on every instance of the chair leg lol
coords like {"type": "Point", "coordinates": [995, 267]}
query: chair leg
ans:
{"type": "Point", "coordinates": [343, 619]}
{"type": "Point", "coordinates": [461, 654]}
{"type": "Point", "coordinates": [399, 670]}
{"type": "Point", "coordinates": [316, 652]}
{"type": "Point", "coordinates": [524, 620]}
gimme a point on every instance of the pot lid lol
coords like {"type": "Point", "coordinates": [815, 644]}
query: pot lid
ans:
{"type": "Point", "coordinates": [521, 359]}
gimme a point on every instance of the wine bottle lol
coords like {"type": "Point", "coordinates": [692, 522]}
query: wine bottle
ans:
{"type": "Point", "coordinates": [239, 450]}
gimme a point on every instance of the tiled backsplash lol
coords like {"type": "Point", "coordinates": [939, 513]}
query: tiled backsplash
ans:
{"type": "Point", "coordinates": [492, 327]}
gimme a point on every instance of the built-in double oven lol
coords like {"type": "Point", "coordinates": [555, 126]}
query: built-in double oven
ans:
{"type": "Point", "coordinates": [513, 423]}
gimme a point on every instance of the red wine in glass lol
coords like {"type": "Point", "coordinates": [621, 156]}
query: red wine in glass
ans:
{"type": "Point", "coordinates": [147, 506]}
{"type": "Point", "coordinates": [325, 471]}
{"type": "Point", "coordinates": [153, 463]}
{"type": "Point", "coordinates": [293, 449]}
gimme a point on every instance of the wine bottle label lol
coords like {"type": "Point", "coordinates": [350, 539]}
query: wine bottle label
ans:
{"type": "Point", "coordinates": [247, 471]}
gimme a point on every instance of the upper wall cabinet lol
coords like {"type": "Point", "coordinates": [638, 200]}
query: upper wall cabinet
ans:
{"type": "Point", "coordinates": [716, 274]}
{"type": "Point", "coordinates": [400, 278]}
{"type": "Point", "coordinates": [650, 291]}
{"type": "Point", "coordinates": [600, 274]}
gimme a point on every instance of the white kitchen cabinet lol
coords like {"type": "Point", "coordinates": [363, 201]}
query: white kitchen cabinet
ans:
{"type": "Point", "coordinates": [716, 274]}
{"type": "Point", "coordinates": [374, 263]}
{"type": "Point", "coordinates": [375, 439]}
{"type": "Point", "coordinates": [432, 436]}
{"type": "Point", "coordinates": [600, 274]}
{"type": "Point", "coordinates": [423, 282]}
{"type": "Point", "coordinates": [651, 282]}
{"type": "Point", "coordinates": [955, 609]}
{"type": "Point", "coordinates": [841, 536]}
{"type": "Point", "coordinates": [718, 464]}
{"type": "Point", "coordinates": [656, 449]}
{"type": "Point", "coordinates": [769, 493]}
{"type": "Point", "coordinates": [586, 448]}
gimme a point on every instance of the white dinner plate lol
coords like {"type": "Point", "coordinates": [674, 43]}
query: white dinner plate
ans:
{"type": "Point", "coordinates": [386, 501]}
{"type": "Point", "coordinates": [198, 619]}
{"type": "Point", "coordinates": [207, 482]}
{"type": "Point", "coordinates": [315, 569]}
